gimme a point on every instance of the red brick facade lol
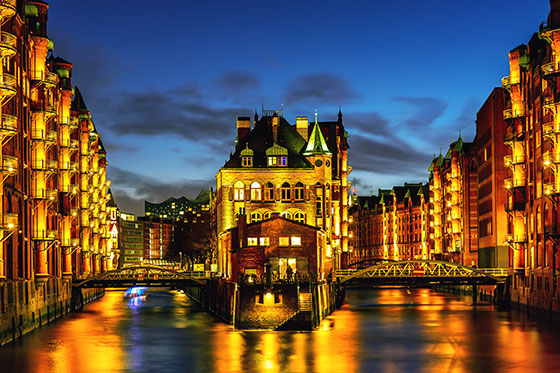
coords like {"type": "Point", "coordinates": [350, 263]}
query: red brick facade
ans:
{"type": "Point", "coordinates": [278, 241]}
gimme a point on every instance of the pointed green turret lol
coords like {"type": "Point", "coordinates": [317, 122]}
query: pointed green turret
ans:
{"type": "Point", "coordinates": [317, 144]}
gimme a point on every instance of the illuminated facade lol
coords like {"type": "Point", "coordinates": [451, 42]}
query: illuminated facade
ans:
{"type": "Point", "coordinates": [298, 171]}
{"type": "Point", "coordinates": [391, 225]}
{"type": "Point", "coordinates": [158, 237]}
{"type": "Point", "coordinates": [53, 202]}
{"type": "Point", "coordinates": [532, 116]}
{"type": "Point", "coordinates": [453, 204]}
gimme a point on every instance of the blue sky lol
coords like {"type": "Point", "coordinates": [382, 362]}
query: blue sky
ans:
{"type": "Point", "coordinates": [164, 80]}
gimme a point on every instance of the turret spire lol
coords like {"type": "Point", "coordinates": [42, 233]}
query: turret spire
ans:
{"type": "Point", "coordinates": [317, 144]}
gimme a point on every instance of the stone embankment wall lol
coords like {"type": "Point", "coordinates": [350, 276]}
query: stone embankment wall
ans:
{"type": "Point", "coordinates": [281, 306]}
{"type": "Point", "coordinates": [25, 307]}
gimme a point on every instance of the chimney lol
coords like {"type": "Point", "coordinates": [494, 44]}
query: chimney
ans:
{"type": "Point", "coordinates": [242, 230]}
{"type": "Point", "coordinates": [275, 123]}
{"type": "Point", "coordinates": [243, 128]}
{"type": "Point", "coordinates": [554, 16]}
{"type": "Point", "coordinates": [302, 127]}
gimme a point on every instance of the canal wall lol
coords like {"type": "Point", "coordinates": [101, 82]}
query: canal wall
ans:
{"type": "Point", "coordinates": [25, 306]}
{"type": "Point", "coordinates": [277, 306]}
{"type": "Point", "coordinates": [536, 295]}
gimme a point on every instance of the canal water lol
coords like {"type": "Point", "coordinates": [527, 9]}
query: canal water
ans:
{"type": "Point", "coordinates": [384, 330]}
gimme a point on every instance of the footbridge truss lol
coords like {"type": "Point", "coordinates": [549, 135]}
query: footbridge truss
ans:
{"type": "Point", "coordinates": [143, 276]}
{"type": "Point", "coordinates": [417, 273]}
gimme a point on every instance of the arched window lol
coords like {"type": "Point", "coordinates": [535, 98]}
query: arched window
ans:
{"type": "Point", "coordinates": [539, 220]}
{"type": "Point", "coordinates": [269, 192]}
{"type": "Point", "coordinates": [299, 217]}
{"type": "Point", "coordinates": [256, 216]}
{"type": "Point", "coordinates": [286, 192]}
{"type": "Point", "coordinates": [239, 191]}
{"type": "Point", "coordinates": [546, 216]}
{"type": "Point", "coordinates": [267, 215]}
{"type": "Point", "coordinates": [287, 215]}
{"type": "Point", "coordinates": [298, 192]}
{"type": "Point", "coordinates": [255, 191]}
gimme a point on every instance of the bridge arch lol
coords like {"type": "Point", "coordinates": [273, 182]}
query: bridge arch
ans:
{"type": "Point", "coordinates": [145, 275]}
{"type": "Point", "coordinates": [420, 272]}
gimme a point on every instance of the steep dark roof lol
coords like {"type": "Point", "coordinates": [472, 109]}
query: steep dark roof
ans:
{"type": "Point", "coordinates": [260, 138]}
{"type": "Point", "coordinates": [78, 103]}
{"type": "Point", "coordinates": [111, 202]}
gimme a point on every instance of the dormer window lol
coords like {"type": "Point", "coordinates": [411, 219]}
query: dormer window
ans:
{"type": "Point", "coordinates": [247, 157]}
{"type": "Point", "coordinates": [277, 156]}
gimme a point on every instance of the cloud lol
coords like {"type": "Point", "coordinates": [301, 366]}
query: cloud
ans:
{"type": "Point", "coordinates": [235, 82]}
{"type": "Point", "coordinates": [132, 189]}
{"type": "Point", "coordinates": [170, 113]}
{"type": "Point", "coordinates": [387, 157]}
{"type": "Point", "coordinates": [325, 88]}
{"type": "Point", "coordinates": [428, 110]}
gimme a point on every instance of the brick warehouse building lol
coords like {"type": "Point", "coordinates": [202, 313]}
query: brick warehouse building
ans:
{"type": "Point", "coordinates": [278, 242]}
{"type": "Point", "coordinates": [391, 225]}
{"type": "Point", "coordinates": [298, 171]}
{"type": "Point", "coordinates": [53, 201]}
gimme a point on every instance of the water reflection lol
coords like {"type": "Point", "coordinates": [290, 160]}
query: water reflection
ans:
{"type": "Point", "coordinates": [378, 330]}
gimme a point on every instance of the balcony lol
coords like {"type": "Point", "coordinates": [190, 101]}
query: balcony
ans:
{"type": "Point", "coordinates": [510, 160]}
{"type": "Point", "coordinates": [44, 77]}
{"type": "Point", "coordinates": [511, 114]}
{"type": "Point", "coordinates": [514, 183]}
{"type": "Point", "coordinates": [69, 242]}
{"type": "Point", "coordinates": [9, 164]}
{"type": "Point", "coordinates": [45, 235]}
{"type": "Point", "coordinates": [507, 82]}
{"type": "Point", "coordinates": [8, 125]}
{"type": "Point", "coordinates": [44, 135]}
{"type": "Point", "coordinates": [44, 107]}
{"type": "Point", "coordinates": [516, 238]}
{"type": "Point", "coordinates": [516, 201]}
{"type": "Point", "coordinates": [550, 189]}
{"type": "Point", "coordinates": [7, 9]}
{"type": "Point", "coordinates": [8, 85]}
{"type": "Point", "coordinates": [74, 144]}
{"type": "Point", "coordinates": [549, 70]}
{"type": "Point", "coordinates": [10, 221]}
{"type": "Point", "coordinates": [68, 188]}
{"type": "Point", "coordinates": [550, 158]}
{"type": "Point", "coordinates": [7, 44]}
{"type": "Point", "coordinates": [44, 194]}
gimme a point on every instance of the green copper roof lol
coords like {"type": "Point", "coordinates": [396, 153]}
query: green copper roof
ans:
{"type": "Point", "coordinates": [276, 150]}
{"type": "Point", "coordinates": [458, 144]}
{"type": "Point", "coordinates": [317, 144]}
{"type": "Point", "coordinates": [439, 160]}
{"type": "Point", "coordinates": [247, 151]}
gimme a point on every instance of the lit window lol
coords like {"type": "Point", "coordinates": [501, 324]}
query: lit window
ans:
{"type": "Point", "coordinates": [263, 241]}
{"type": "Point", "coordinates": [282, 161]}
{"type": "Point", "coordinates": [267, 215]}
{"type": "Point", "coordinates": [239, 191]}
{"type": "Point", "coordinates": [256, 216]}
{"type": "Point", "coordinates": [272, 161]}
{"type": "Point", "coordinates": [286, 192]}
{"type": "Point", "coordinates": [287, 215]}
{"type": "Point", "coordinates": [255, 191]}
{"type": "Point", "coordinates": [284, 241]}
{"type": "Point", "coordinates": [296, 241]}
{"type": "Point", "coordinates": [299, 217]}
{"type": "Point", "coordinates": [252, 241]}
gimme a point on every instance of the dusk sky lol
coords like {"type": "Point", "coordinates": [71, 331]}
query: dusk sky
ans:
{"type": "Point", "coordinates": [165, 80]}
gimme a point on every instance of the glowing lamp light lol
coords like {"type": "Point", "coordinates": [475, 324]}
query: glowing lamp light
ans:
{"type": "Point", "coordinates": [10, 225]}
{"type": "Point", "coordinates": [547, 162]}
{"type": "Point", "coordinates": [268, 295]}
